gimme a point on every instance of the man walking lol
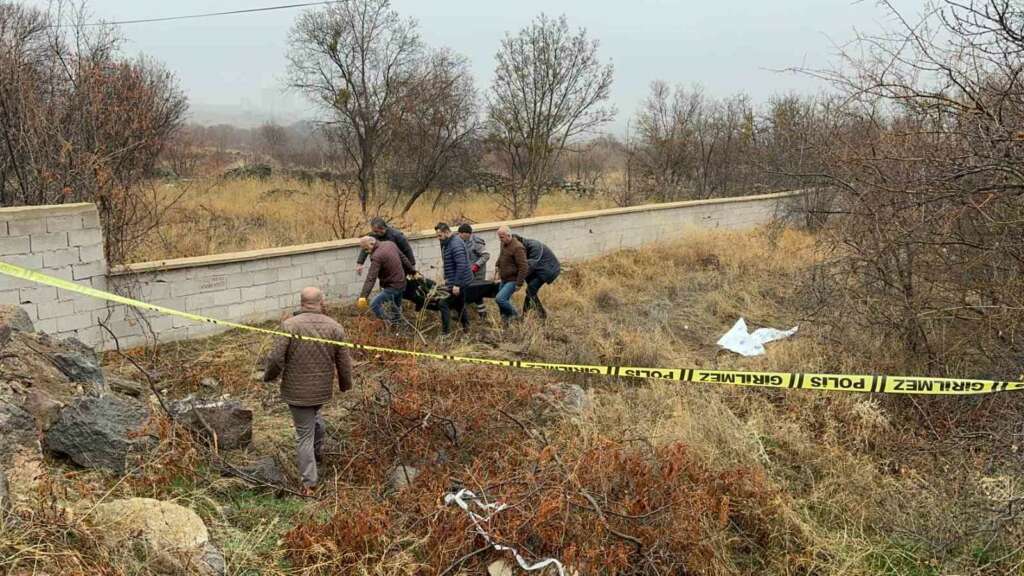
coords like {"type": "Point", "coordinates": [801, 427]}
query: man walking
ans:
{"type": "Point", "coordinates": [511, 271]}
{"type": "Point", "coordinates": [307, 376]}
{"type": "Point", "coordinates": [457, 275]}
{"type": "Point", "coordinates": [544, 269]}
{"type": "Point", "coordinates": [389, 265]}
{"type": "Point", "coordinates": [476, 249]}
{"type": "Point", "coordinates": [380, 230]}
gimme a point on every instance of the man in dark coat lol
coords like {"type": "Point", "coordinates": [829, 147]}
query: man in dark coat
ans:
{"type": "Point", "coordinates": [307, 371]}
{"type": "Point", "coordinates": [544, 268]}
{"type": "Point", "coordinates": [380, 230]}
{"type": "Point", "coordinates": [457, 270]}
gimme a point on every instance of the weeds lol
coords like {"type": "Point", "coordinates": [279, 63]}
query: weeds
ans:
{"type": "Point", "coordinates": [646, 478]}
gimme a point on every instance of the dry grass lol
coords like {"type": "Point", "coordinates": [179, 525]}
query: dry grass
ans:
{"type": "Point", "coordinates": [223, 215]}
{"type": "Point", "coordinates": [710, 480]}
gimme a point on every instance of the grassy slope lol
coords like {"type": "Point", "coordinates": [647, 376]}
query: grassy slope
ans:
{"type": "Point", "coordinates": [710, 480]}
{"type": "Point", "coordinates": [222, 215]}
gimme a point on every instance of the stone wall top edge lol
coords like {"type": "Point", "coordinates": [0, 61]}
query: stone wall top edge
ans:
{"type": "Point", "coordinates": [248, 255]}
{"type": "Point", "coordinates": [17, 212]}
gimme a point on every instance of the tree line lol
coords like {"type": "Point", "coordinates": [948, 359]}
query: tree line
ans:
{"type": "Point", "coordinates": [914, 151]}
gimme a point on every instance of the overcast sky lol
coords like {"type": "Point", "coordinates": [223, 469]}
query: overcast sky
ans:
{"type": "Point", "coordinates": [233, 67]}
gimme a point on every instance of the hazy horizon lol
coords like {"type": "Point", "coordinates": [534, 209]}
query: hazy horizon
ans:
{"type": "Point", "coordinates": [233, 68]}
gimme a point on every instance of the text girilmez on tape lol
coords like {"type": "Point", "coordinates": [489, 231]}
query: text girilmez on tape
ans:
{"type": "Point", "coordinates": [786, 380]}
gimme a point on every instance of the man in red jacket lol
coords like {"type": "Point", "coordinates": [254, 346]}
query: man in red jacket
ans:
{"type": "Point", "coordinates": [389, 265]}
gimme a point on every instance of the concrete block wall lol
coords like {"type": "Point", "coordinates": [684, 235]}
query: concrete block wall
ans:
{"type": "Point", "coordinates": [65, 241]}
{"type": "Point", "coordinates": [259, 285]}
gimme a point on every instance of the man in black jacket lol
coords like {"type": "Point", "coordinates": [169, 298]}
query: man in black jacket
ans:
{"type": "Point", "coordinates": [544, 269]}
{"type": "Point", "coordinates": [380, 230]}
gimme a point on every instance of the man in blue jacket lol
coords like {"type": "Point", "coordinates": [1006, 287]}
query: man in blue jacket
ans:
{"type": "Point", "coordinates": [457, 273]}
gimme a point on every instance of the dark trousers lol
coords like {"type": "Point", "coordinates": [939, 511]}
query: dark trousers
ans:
{"type": "Point", "coordinates": [456, 304]}
{"type": "Point", "coordinates": [532, 301]}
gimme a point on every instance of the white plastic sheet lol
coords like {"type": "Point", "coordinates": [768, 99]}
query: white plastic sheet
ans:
{"type": "Point", "coordinates": [739, 341]}
{"type": "Point", "coordinates": [463, 497]}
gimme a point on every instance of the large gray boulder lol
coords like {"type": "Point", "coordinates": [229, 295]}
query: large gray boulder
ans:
{"type": "Point", "coordinates": [17, 431]}
{"type": "Point", "coordinates": [228, 419]}
{"type": "Point", "coordinates": [5, 499]}
{"type": "Point", "coordinates": [42, 407]}
{"type": "Point", "coordinates": [15, 318]}
{"type": "Point", "coordinates": [80, 367]}
{"type": "Point", "coordinates": [101, 432]}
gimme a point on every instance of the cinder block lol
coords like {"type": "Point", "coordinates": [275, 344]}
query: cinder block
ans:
{"type": "Point", "coordinates": [92, 336]}
{"type": "Point", "coordinates": [264, 276]}
{"type": "Point", "coordinates": [3, 228]}
{"type": "Point", "coordinates": [255, 265]}
{"type": "Point", "coordinates": [279, 288]}
{"type": "Point", "coordinates": [38, 294]}
{"type": "Point", "coordinates": [14, 245]}
{"type": "Point", "coordinates": [227, 297]}
{"type": "Point", "coordinates": [26, 227]}
{"type": "Point", "coordinates": [85, 237]}
{"type": "Point", "coordinates": [91, 219]}
{"type": "Point", "coordinates": [88, 270]}
{"type": "Point", "coordinates": [90, 253]}
{"type": "Point", "coordinates": [48, 326]}
{"type": "Point", "coordinates": [289, 273]}
{"type": "Point", "coordinates": [240, 280]}
{"type": "Point", "coordinates": [10, 297]}
{"type": "Point", "coordinates": [299, 260]}
{"type": "Point", "coordinates": [44, 242]}
{"type": "Point", "coordinates": [60, 258]}
{"type": "Point", "coordinates": [184, 287]}
{"type": "Point", "coordinates": [199, 301]}
{"type": "Point", "coordinates": [56, 309]}
{"type": "Point", "coordinates": [64, 223]}
{"type": "Point", "coordinates": [74, 322]}
{"type": "Point", "coordinates": [253, 293]}
{"type": "Point", "coordinates": [265, 305]}
{"type": "Point", "coordinates": [239, 311]}
{"type": "Point", "coordinates": [312, 269]}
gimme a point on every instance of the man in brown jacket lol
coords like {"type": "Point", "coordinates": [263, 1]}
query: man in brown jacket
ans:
{"type": "Point", "coordinates": [511, 270]}
{"type": "Point", "coordinates": [390, 266]}
{"type": "Point", "coordinates": [307, 376]}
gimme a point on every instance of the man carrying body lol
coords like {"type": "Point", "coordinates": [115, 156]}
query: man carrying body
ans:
{"type": "Point", "coordinates": [476, 249]}
{"type": "Point", "coordinates": [511, 271]}
{"type": "Point", "coordinates": [544, 269]}
{"type": "Point", "coordinates": [457, 275]}
{"type": "Point", "coordinates": [307, 376]}
{"type": "Point", "coordinates": [380, 230]}
{"type": "Point", "coordinates": [389, 265]}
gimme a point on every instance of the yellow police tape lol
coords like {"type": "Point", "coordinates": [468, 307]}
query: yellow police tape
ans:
{"type": "Point", "coordinates": [789, 380]}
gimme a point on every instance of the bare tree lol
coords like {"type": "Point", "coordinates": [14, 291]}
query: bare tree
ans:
{"type": "Point", "coordinates": [548, 88]}
{"type": "Point", "coordinates": [79, 122]}
{"type": "Point", "coordinates": [929, 171]}
{"type": "Point", "coordinates": [357, 59]}
{"type": "Point", "coordinates": [438, 127]}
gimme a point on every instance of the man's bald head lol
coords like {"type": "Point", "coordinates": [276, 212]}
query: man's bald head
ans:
{"type": "Point", "coordinates": [311, 298]}
{"type": "Point", "coordinates": [505, 234]}
{"type": "Point", "coordinates": [368, 243]}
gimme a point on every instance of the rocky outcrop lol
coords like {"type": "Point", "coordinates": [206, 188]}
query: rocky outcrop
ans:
{"type": "Point", "coordinates": [101, 432]}
{"type": "Point", "coordinates": [228, 419]}
{"type": "Point", "coordinates": [17, 432]}
{"type": "Point", "coordinates": [15, 318]}
{"type": "Point", "coordinates": [173, 538]}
